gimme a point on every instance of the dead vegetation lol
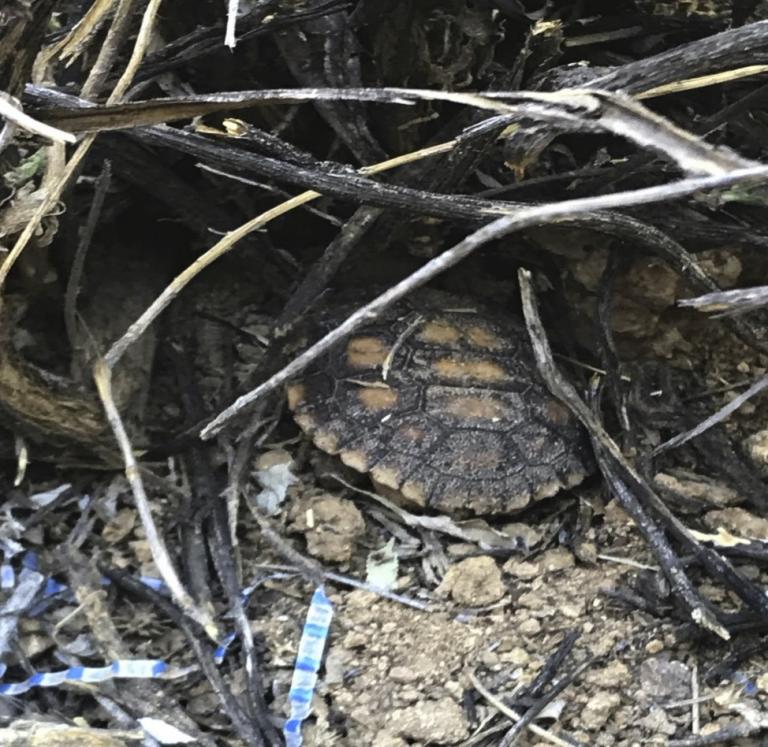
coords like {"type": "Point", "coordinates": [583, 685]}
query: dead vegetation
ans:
{"type": "Point", "coordinates": [187, 189]}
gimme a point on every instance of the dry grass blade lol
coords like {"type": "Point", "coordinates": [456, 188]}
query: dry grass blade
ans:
{"type": "Point", "coordinates": [718, 417]}
{"type": "Point", "coordinates": [729, 302]}
{"type": "Point", "coordinates": [73, 44]}
{"type": "Point", "coordinates": [14, 114]}
{"type": "Point", "coordinates": [513, 715]}
{"type": "Point", "coordinates": [702, 81]}
{"type": "Point", "coordinates": [160, 554]}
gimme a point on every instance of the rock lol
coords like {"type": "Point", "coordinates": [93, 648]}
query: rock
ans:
{"type": "Point", "coordinates": [386, 738]}
{"type": "Point", "coordinates": [663, 680]}
{"type": "Point", "coordinates": [698, 488]}
{"type": "Point", "coordinates": [615, 674]}
{"type": "Point", "coordinates": [556, 559]}
{"type": "Point", "coordinates": [530, 626]}
{"type": "Point", "coordinates": [573, 609]}
{"type": "Point", "coordinates": [654, 646]}
{"type": "Point", "coordinates": [527, 535]}
{"type": "Point", "coordinates": [331, 526]}
{"type": "Point", "coordinates": [432, 721]}
{"type": "Point", "coordinates": [615, 515]}
{"type": "Point", "coordinates": [474, 582]}
{"type": "Point", "coordinates": [598, 710]}
{"type": "Point", "coordinates": [534, 600]}
{"type": "Point", "coordinates": [714, 726]}
{"type": "Point", "coordinates": [657, 722]}
{"type": "Point", "coordinates": [517, 656]}
{"type": "Point", "coordinates": [722, 265]}
{"type": "Point", "coordinates": [403, 674]}
{"type": "Point", "coordinates": [522, 569]}
{"type": "Point", "coordinates": [337, 662]}
{"type": "Point", "coordinates": [586, 552]}
{"type": "Point", "coordinates": [738, 521]}
{"type": "Point", "coordinates": [756, 447]}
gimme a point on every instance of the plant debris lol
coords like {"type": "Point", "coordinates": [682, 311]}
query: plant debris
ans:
{"type": "Point", "coordinates": [203, 206]}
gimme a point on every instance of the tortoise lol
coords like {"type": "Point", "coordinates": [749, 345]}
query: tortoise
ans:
{"type": "Point", "coordinates": [440, 400]}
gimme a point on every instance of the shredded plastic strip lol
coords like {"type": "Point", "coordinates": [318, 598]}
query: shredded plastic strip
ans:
{"type": "Point", "coordinates": [308, 662]}
{"type": "Point", "coordinates": [7, 576]}
{"type": "Point", "coordinates": [123, 669]}
{"type": "Point", "coordinates": [133, 668]}
{"type": "Point", "coordinates": [11, 548]}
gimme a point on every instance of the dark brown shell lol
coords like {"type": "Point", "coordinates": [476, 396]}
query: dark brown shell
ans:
{"type": "Point", "coordinates": [440, 400]}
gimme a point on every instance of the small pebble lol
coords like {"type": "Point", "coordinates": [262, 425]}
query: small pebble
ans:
{"type": "Point", "coordinates": [434, 721]}
{"type": "Point", "coordinates": [598, 710]}
{"type": "Point", "coordinates": [531, 626]}
{"type": "Point", "coordinates": [654, 647]}
{"type": "Point", "coordinates": [474, 582]}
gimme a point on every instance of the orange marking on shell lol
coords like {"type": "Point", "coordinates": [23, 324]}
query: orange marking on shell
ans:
{"type": "Point", "coordinates": [366, 352]}
{"type": "Point", "coordinates": [387, 476]}
{"type": "Point", "coordinates": [412, 433]}
{"type": "Point", "coordinates": [305, 422]}
{"type": "Point", "coordinates": [355, 459]}
{"type": "Point", "coordinates": [545, 490]}
{"type": "Point", "coordinates": [439, 332]}
{"type": "Point", "coordinates": [484, 338]}
{"type": "Point", "coordinates": [480, 370]}
{"type": "Point", "coordinates": [469, 406]}
{"type": "Point", "coordinates": [377, 398]}
{"type": "Point", "coordinates": [415, 492]}
{"type": "Point", "coordinates": [297, 394]}
{"type": "Point", "coordinates": [557, 412]}
{"type": "Point", "coordinates": [480, 458]}
{"type": "Point", "coordinates": [324, 440]}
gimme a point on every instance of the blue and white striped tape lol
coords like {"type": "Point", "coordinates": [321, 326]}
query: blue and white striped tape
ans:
{"type": "Point", "coordinates": [123, 669]}
{"type": "Point", "coordinates": [308, 660]}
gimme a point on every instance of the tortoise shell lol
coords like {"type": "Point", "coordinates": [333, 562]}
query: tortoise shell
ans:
{"type": "Point", "coordinates": [440, 399]}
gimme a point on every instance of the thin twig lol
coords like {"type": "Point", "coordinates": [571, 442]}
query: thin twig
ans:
{"type": "Point", "coordinates": [138, 52]}
{"type": "Point", "coordinates": [737, 301]}
{"type": "Point", "coordinates": [78, 263]}
{"type": "Point", "coordinates": [629, 562]}
{"type": "Point", "coordinates": [585, 110]}
{"type": "Point", "coordinates": [102, 376]}
{"type": "Point", "coordinates": [717, 417]}
{"type": "Point", "coordinates": [695, 701]}
{"type": "Point", "coordinates": [610, 458]}
{"type": "Point", "coordinates": [110, 48]}
{"type": "Point", "coordinates": [15, 115]}
{"type": "Point", "coordinates": [702, 81]}
{"type": "Point", "coordinates": [385, 593]}
{"type": "Point", "coordinates": [514, 715]}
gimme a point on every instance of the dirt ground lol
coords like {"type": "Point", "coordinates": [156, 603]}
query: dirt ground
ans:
{"type": "Point", "coordinates": [491, 617]}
